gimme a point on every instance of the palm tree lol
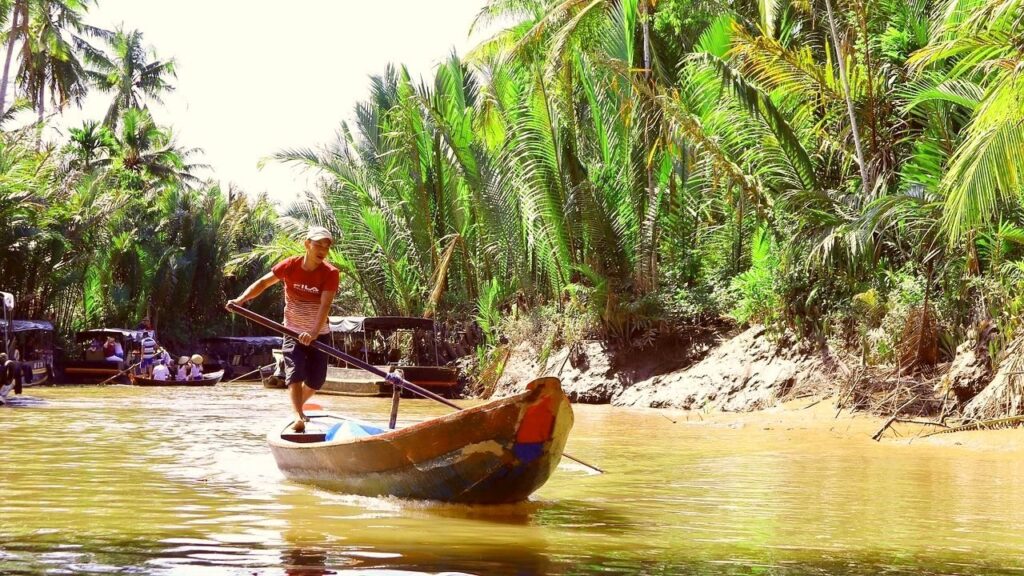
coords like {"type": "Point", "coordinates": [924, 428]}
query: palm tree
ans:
{"type": "Point", "coordinates": [131, 72]}
{"type": "Point", "coordinates": [145, 155]}
{"type": "Point", "coordinates": [88, 143]}
{"type": "Point", "coordinates": [978, 44]}
{"type": "Point", "coordinates": [19, 21]}
{"type": "Point", "coordinates": [49, 60]}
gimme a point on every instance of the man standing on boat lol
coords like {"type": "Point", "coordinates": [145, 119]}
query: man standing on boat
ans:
{"type": "Point", "coordinates": [10, 377]}
{"type": "Point", "coordinates": [310, 284]}
{"type": "Point", "coordinates": [148, 346]}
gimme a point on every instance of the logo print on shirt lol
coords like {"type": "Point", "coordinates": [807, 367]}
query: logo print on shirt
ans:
{"type": "Point", "coordinates": [305, 288]}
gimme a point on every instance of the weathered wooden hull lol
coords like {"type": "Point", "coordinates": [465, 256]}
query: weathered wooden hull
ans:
{"type": "Point", "coordinates": [86, 371]}
{"type": "Point", "coordinates": [34, 373]}
{"type": "Point", "coordinates": [356, 382]}
{"type": "Point", "coordinates": [210, 379]}
{"type": "Point", "coordinates": [495, 453]}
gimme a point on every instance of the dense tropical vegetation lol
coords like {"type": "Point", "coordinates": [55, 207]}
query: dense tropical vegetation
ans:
{"type": "Point", "coordinates": [849, 170]}
{"type": "Point", "coordinates": [843, 169]}
{"type": "Point", "coordinates": [116, 223]}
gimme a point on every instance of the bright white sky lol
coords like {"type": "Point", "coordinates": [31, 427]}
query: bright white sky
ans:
{"type": "Point", "coordinates": [258, 77]}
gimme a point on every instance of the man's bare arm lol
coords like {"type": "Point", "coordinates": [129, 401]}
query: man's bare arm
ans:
{"type": "Point", "coordinates": [256, 288]}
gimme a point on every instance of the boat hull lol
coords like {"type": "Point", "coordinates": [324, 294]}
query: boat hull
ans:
{"type": "Point", "coordinates": [90, 371]}
{"type": "Point", "coordinates": [355, 382]}
{"type": "Point", "coordinates": [495, 453]}
{"type": "Point", "coordinates": [208, 380]}
{"type": "Point", "coordinates": [34, 373]}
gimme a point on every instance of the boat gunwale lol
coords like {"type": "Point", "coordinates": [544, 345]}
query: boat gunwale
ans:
{"type": "Point", "coordinates": [275, 440]}
{"type": "Point", "coordinates": [183, 383]}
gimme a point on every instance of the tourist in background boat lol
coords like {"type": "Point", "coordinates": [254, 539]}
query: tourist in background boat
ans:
{"type": "Point", "coordinates": [182, 373]}
{"type": "Point", "coordinates": [310, 285]}
{"type": "Point", "coordinates": [148, 349]}
{"type": "Point", "coordinates": [196, 367]}
{"type": "Point", "coordinates": [110, 349]}
{"type": "Point", "coordinates": [164, 356]}
{"type": "Point", "coordinates": [160, 371]}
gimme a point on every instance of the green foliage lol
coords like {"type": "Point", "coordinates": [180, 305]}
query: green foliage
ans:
{"type": "Point", "coordinates": [756, 300]}
{"type": "Point", "coordinates": [611, 163]}
{"type": "Point", "coordinates": [488, 310]}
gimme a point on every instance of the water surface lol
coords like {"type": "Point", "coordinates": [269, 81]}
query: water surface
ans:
{"type": "Point", "coordinates": [101, 480]}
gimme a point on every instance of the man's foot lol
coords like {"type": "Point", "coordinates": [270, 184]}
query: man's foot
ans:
{"type": "Point", "coordinates": [299, 426]}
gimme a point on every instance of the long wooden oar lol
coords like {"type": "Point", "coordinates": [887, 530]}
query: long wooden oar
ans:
{"type": "Point", "coordinates": [390, 377]}
{"type": "Point", "coordinates": [119, 373]}
{"type": "Point", "coordinates": [260, 370]}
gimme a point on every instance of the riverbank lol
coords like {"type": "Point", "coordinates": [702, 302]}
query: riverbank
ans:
{"type": "Point", "coordinates": [800, 420]}
{"type": "Point", "coordinates": [718, 368]}
{"type": "Point", "coordinates": [723, 369]}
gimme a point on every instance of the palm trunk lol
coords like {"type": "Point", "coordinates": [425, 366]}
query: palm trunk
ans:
{"type": "Point", "coordinates": [42, 100]}
{"type": "Point", "coordinates": [7, 59]}
{"type": "Point", "coordinates": [849, 101]}
{"type": "Point", "coordinates": [647, 264]}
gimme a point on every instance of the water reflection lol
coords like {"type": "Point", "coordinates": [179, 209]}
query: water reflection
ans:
{"type": "Point", "coordinates": [305, 562]}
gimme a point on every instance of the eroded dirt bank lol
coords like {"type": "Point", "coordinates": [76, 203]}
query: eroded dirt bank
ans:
{"type": "Point", "coordinates": [731, 371]}
{"type": "Point", "coordinates": [749, 371]}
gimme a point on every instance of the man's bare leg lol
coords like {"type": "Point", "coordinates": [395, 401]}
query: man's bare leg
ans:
{"type": "Point", "coordinates": [298, 396]}
{"type": "Point", "coordinates": [307, 393]}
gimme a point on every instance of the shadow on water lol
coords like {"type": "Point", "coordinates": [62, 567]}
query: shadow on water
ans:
{"type": "Point", "coordinates": [22, 402]}
{"type": "Point", "coordinates": [563, 513]}
{"type": "Point", "coordinates": [317, 561]}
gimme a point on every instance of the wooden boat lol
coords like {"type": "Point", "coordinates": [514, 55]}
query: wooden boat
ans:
{"type": "Point", "coordinates": [498, 452]}
{"type": "Point", "coordinates": [276, 378]}
{"type": "Point", "coordinates": [356, 382]}
{"type": "Point", "coordinates": [355, 332]}
{"type": "Point", "coordinates": [34, 340]}
{"type": "Point", "coordinates": [241, 357]}
{"type": "Point", "coordinates": [208, 380]}
{"type": "Point", "coordinates": [89, 365]}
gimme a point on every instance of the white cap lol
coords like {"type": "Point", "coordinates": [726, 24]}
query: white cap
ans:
{"type": "Point", "coordinates": [319, 233]}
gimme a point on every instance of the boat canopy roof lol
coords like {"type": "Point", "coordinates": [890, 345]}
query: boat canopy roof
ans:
{"type": "Point", "coordinates": [123, 333]}
{"type": "Point", "coordinates": [26, 325]}
{"type": "Point", "coordinates": [346, 324]}
{"type": "Point", "coordinates": [274, 341]}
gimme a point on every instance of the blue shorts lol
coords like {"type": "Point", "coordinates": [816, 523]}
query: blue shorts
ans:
{"type": "Point", "coordinates": [146, 363]}
{"type": "Point", "coordinates": [304, 363]}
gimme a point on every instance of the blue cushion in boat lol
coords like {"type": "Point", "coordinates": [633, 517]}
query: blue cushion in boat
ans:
{"type": "Point", "coordinates": [348, 429]}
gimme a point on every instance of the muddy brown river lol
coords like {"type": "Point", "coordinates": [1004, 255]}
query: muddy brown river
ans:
{"type": "Point", "coordinates": [122, 480]}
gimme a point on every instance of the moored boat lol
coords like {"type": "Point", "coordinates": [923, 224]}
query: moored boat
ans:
{"type": "Point", "coordinates": [243, 358]}
{"type": "Point", "coordinates": [33, 339]}
{"type": "Point", "coordinates": [276, 377]}
{"type": "Point", "coordinates": [207, 380]}
{"type": "Point", "coordinates": [387, 342]}
{"type": "Point", "coordinates": [91, 365]}
{"type": "Point", "coordinates": [494, 453]}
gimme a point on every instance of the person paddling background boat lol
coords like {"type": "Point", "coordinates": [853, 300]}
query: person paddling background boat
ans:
{"type": "Point", "coordinates": [10, 377]}
{"type": "Point", "coordinates": [310, 285]}
{"type": "Point", "coordinates": [148, 348]}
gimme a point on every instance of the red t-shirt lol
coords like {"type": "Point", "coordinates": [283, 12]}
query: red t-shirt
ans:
{"type": "Point", "coordinates": [302, 290]}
